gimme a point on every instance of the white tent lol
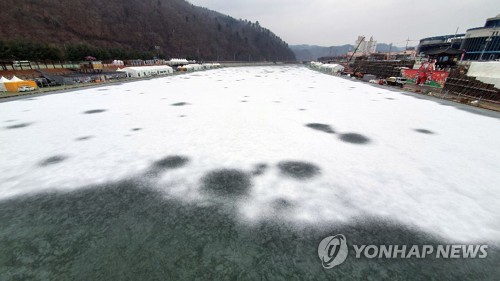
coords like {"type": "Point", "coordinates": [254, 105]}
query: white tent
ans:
{"type": "Point", "coordinates": [178, 61]}
{"type": "Point", "coordinates": [15, 79]}
{"type": "Point", "coordinates": [147, 71]}
{"type": "Point", "coordinates": [2, 86]}
{"type": "Point", "coordinates": [196, 66]}
{"type": "Point", "coordinates": [210, 65]}
{"type": "Point", "coordinates": [118, 62]}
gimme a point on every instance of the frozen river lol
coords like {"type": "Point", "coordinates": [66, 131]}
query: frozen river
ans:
{"type": "Point", "coordinates": [240, 173]}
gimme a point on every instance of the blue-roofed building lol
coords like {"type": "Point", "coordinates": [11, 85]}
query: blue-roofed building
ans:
{"type": "Point", "coordinates": [436, 43]}
{"type": "Point", "coordinates": [483, 43]}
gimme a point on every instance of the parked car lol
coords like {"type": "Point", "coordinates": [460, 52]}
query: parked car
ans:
{"type": "Point", "coordinates": [26, 89]}
{"type": "Point", "coordinates": [377, 81]}
{"type": "Point", "coordinates": [42, 82]}
{"type": "Point", "coordinates": [396, 81]}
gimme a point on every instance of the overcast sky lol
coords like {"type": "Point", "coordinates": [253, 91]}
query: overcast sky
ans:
{"type": "Point", "coordinates": [338, 22]}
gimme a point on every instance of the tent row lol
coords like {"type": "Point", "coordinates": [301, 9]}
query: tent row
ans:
{"type": "Point", "coordinates": [16, 85]}
{"type": "Point", "coordinates": [146, 71]}
{"type": "Point", "coordinates": [157, 70]}
{"type": "Point", "coordinates": [198, 67]}
{"type": "Point", "coordinates": [327, 67]}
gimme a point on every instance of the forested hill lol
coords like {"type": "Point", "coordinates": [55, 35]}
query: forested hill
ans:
{"type": "Point", "coordinates": [67, 29]}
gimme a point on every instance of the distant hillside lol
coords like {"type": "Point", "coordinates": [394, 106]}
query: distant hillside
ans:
{"type": "Point", "coordinates": [313, 52]}
{"type": "Point", "coordinates": [385, 48]}
{"type": "Point", "coordinates": [106, 29]}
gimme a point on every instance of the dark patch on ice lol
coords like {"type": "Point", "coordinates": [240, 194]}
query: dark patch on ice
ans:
{"type": "Point", "coordinates": [141, 93]}
{"type": "Point", "coordinates": [56, 159]}
{"type": "Point", "coordinates": [354, 138]}
{"type": "Point", "coordinates": [180, 104]}
{"type": "Point", "coordinates": [311, 87]}
{"type": "Point", "coordinates": [94, 111]}
{"type": "Point", "coordinates": [122, 231]}
{"type": "Point", "coordinates": [84, 138]}
{"type": "Point", "coordinates": [136, 129]}
{"type": "Point", "coordinates": [29, 99]}
{"type": "Point", "coordinates": [389, 98]}
{"type": "Point", "coordinates": [244, 101]}
{"type": "Point", "coordinates": [259, 169]}
{"type": "Point", "coordinates": [298, 169]}
{"type": "Point", "coordinates": [163, 98]}
{"type": "Point", "coordinates": [9, 121]}
{"type": "Point", "coordinates": [425, 131]}
{"type": "Point", "coordinates": [18, 126]}
{"type": "Point", "coordinates": [321, 127]}
{"type": "Point", "coordinates": [302, 109]}
{"type": "Point", "coordinates": [281, 204]}
{"type": "Point", "coordinates": [277, 101]}
{"type": "Point", "coordinates": [227, 182]}
{"type": "Point", "coordinates": [182, 116]}
{"type": "Point", "coordinates": [100, 90]}
{"type": "Point", "coordinates": [171, 162]}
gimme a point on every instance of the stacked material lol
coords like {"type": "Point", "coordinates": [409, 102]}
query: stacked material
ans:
{"type": "Point", "coordinates": [462, 84]}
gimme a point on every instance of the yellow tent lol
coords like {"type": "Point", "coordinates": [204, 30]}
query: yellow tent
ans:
{"type": "Point", "coordinates": [15, 83]}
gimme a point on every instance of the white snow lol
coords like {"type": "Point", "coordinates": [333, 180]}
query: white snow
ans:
{"type": "Point", "coordinates": [446, 184]}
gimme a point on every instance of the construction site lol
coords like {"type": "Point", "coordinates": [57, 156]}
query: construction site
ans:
{"type": "Point", "coordinates": [439, 70]}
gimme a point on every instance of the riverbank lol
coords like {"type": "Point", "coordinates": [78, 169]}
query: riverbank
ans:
{"type": "Point", "coordinates": [7, 96]}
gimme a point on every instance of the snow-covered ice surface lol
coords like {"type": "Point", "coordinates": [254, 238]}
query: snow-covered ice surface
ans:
{"type": "Point", "coordinates": [304, 148]}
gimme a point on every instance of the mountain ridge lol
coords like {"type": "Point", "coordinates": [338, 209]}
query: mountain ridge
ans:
{"type": "Point", "coordinates": [168, 28]}
{"type": "Point", "coordinates": [304, 52]}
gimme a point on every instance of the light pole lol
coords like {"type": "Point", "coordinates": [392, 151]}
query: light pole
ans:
{"type": "Point", "coordinates": [487, 41]}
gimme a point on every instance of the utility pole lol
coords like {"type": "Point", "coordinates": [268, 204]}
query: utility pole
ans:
{"type": "Point", "coordinates": [406, 49]}
{"type": "Point", "coordinates": [487, 41]}
{"type": "Point", "coordinates": [455, 37]}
